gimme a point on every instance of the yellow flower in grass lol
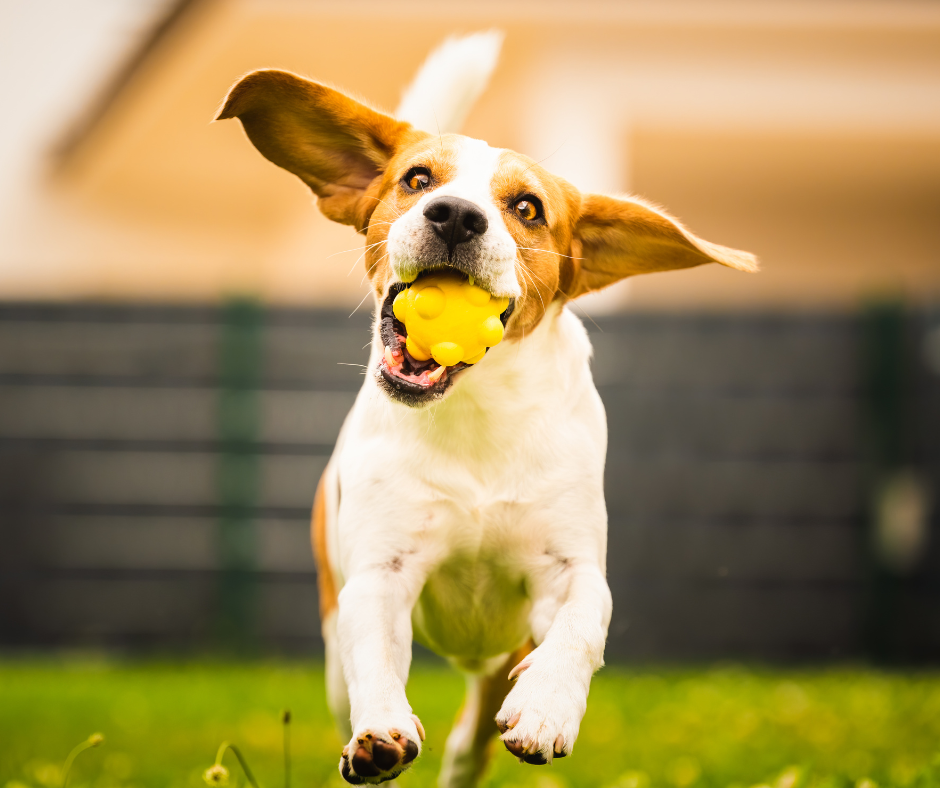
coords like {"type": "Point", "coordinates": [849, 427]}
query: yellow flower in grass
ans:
{"type": "Point", "coordinates": [216, 775]}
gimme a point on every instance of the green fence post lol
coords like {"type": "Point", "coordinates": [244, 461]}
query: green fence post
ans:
{"type": "Point", "coordinates": [238, 479]}
{"type": "Point", "coordinates": [883, 383]}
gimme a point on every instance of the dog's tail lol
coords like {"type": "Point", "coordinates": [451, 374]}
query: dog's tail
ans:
{"type": "Point", "coordinates": [450, 81]}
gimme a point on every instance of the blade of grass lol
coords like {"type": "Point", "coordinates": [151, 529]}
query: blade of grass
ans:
{"type": "Point", "coordinates": [94, 740]}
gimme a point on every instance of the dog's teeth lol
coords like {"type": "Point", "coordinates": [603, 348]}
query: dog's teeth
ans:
{"type": "Point", "coordinates": [436, 374]}
{"type": "Point", "coordinates": [389, 357]}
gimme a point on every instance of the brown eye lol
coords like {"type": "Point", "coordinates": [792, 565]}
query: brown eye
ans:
{"type": "Point", "coordinates": [417, 179]}
{"type": "Point", "coordinates": [528, 208]}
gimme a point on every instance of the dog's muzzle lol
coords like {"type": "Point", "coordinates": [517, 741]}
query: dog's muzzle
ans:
{"type": "Point", "coordinates": [409, 380]}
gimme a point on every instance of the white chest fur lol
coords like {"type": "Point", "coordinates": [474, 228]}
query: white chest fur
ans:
{"type": "Point", "coordinates": [486, 495]}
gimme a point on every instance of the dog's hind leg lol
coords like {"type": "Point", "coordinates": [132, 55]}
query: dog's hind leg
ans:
{"type": "Point", "coordinates": [337, 694]}
{"type": "Point", "coordinates": [472, 739]}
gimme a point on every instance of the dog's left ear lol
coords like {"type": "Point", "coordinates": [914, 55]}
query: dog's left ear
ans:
{"type": "Point", "coordinates": [333, 143]}
{"type": "Point", "coordinates": [615, 238]}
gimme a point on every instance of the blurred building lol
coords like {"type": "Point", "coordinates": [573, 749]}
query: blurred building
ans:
{"type": "Point", "coordinates": [773, 446]}
{"type": "Point", "coordinates": [808, 132]}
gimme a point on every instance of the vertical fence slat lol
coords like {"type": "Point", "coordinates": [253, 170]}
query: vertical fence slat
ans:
{"type": "Point", "coordinates": [239, 472]}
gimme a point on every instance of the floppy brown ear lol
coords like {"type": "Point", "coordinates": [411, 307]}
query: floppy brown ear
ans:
{"type": "Point", "coordinates": [624, 237]}
{"type": "Point", "coordinates": [333, 143]}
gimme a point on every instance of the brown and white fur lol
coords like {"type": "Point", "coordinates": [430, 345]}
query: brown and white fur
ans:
{"type": "Point", "coordinates": [464, 508]}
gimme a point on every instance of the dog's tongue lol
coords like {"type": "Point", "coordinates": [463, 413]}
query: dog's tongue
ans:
{"type": "Point", "coordinates": [425, 373]}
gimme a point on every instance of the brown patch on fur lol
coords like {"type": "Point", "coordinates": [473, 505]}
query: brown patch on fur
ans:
{"type": "Point", "coordinates": [542, 258]}
{"type": "Point", "coordinates": [326, 583]}
{"type": "Point", "coordinates": [439, 157]}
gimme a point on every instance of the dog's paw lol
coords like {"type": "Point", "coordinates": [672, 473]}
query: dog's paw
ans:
{"type": "Point", "coordinates": [541, 715]}
{"type": "Point", "coordinates": [377, 753]}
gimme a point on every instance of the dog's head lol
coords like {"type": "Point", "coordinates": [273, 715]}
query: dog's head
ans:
{"type": "Point", "coordinates": [426, 202]}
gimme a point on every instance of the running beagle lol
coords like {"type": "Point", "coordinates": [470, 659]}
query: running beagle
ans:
{"type": "Point", "coordinates": [463, 506]}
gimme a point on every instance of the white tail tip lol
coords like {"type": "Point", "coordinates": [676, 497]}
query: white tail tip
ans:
{"type": "Point", "coordinates": [449, 83]}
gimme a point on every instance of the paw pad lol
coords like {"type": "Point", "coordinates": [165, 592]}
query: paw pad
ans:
{"type": "Point", "coordinates": [374, 758]}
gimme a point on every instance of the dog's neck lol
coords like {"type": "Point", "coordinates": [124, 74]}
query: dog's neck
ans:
{"type": "Point", "coordinates": [516, 395]}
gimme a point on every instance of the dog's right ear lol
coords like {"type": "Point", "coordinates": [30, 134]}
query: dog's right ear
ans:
{"type": "Point", "coordinates": [334, 144]}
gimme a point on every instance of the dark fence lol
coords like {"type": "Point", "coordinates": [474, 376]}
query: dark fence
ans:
{"type": "Point", "coordinates": [157, 467]}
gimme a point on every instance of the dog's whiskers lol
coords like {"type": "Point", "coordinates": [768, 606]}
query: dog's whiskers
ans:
{"type": "Point", "coordinates": [525, 266]}
{"type": "Point", "coordinates": [563, 142]}
{"type": "Point", "coordinates": [439, 135]}
{"type": "Point", "coordinates": [364, 252]}
{"type": "Point", "coordinates": [525, 273]}
{"type": "Point", "coordinates": [360, 303]}
{"type": "Point", "coordinates": [548, 251]}
{"type": "Point", "coordinates": [431, 421]}
{"type": "Point", "coordinates": [355, 248]}
{"type": "Point", "coordinates": [584, 312]}
{"type": "Point", "coordinates": [390, 207]}
{"type": "Point", "coordinates": [369, 270]}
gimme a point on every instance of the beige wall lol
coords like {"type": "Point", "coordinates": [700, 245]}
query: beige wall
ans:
{"type": "Point", "coordinates": [809, 136]}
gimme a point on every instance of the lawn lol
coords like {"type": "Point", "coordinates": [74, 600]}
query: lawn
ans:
{"type": "Point", "coordinates": [723, 726]}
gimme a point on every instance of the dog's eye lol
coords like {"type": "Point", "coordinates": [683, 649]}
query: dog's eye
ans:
{"type": "Point", "coordinates": [417, 179]}
{"type": "Point", "coordinates": [528, 208]}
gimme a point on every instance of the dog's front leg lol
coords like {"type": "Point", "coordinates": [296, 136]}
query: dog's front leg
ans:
{"type": "Point", "coordinates": [374, 634]}
{"type": "Point", "coordinates": [541, 715]}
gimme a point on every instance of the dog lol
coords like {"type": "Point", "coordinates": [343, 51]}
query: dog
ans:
{"type": "Point", "coordinates": [463, 506]}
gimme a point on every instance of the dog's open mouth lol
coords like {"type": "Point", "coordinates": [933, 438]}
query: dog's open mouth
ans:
{"type": "Point", "coordinates": [410, 378]}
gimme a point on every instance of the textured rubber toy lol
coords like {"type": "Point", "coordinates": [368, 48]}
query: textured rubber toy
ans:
{"type": "Point", "coordinates": [449, 319]}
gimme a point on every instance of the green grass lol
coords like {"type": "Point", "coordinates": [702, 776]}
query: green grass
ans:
{"type": "Point", "coordinates": [677, 728]}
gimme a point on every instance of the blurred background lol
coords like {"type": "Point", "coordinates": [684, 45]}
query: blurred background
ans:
{"type": "Point", "coordinates": [179, 330]}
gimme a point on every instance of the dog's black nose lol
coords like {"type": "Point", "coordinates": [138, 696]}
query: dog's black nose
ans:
{"type": "Point", "coordinates": [455, 220]}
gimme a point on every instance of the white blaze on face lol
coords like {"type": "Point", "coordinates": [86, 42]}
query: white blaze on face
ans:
{"type": "Point", "coordinates": [476, 167]}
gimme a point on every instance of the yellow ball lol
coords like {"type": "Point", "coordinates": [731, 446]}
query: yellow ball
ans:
{"type": "Point", "coordinates": [449, 319]}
